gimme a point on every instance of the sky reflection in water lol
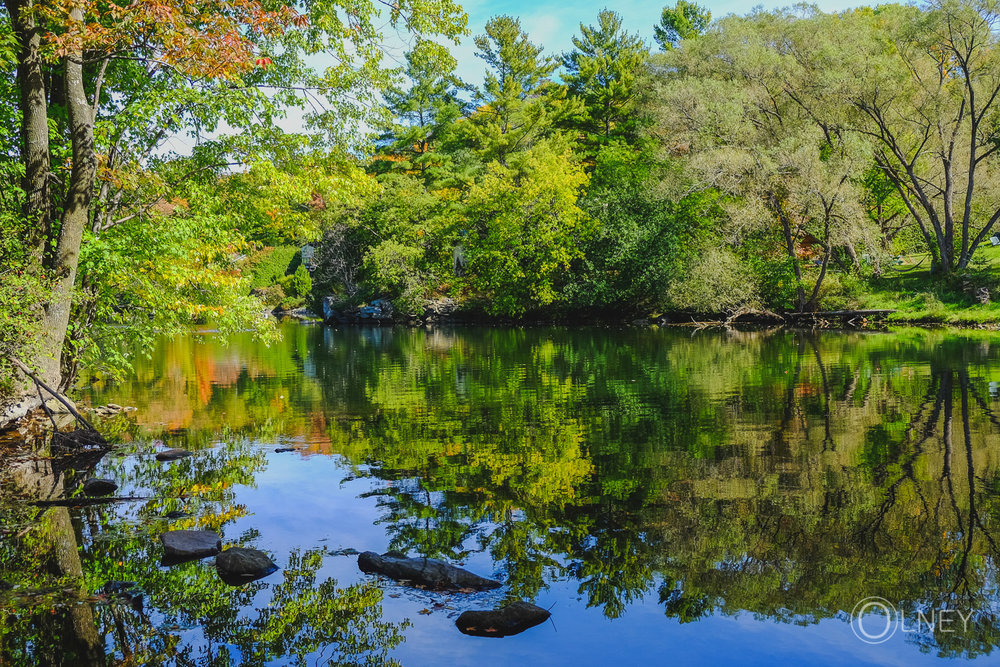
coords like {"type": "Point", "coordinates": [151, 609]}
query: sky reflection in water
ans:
{"type": "Point", "coordinates": [709, 497]}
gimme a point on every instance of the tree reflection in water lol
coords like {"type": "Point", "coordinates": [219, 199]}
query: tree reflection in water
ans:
{"type": "Point", "coordinates": [786, 474]}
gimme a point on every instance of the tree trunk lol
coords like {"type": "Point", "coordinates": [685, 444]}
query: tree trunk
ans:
{"type": "Point", "coordinates": [34, 128]}
{"type": "Point", "coordinates": [35, 157]}
{"type": "Point", "coordinates": [76, 215]}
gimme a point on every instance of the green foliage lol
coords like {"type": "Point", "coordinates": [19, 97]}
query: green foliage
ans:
{"type": "Point", "coordinates": [717, 281]}
{"type": "Point", "coordinates": [425, 112]}
{"type": "Point", "coordinates": [685, 20]}
{"type": "Point", "coordinates": [518, 104]}
{"type": "Point", "coordinates": [643, 241]}
{"type": "Point", "coordinates": [526, 228]}
{"type": "Point", "coordinates": [297, 284]}
{"type": "Point", "coordinates": [603, 72]}
{"type": "Point", "coordinates": [269, 265]}
{"type": "Point", "coordinates": [21, 289]}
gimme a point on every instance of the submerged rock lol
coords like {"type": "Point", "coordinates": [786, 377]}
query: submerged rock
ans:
{"type": "Point", "coordinates": [238, 565]}
{"type": "Point", "coordinates": [176, 514]}
{"type": "Point", "coordinates": [99, 487]}
{"type": "Point", "coordinates": [423, 571]}
{"type": "Point", "coordinates": [172, 454]}
{"type": "Point", "coordinates": [124, 590]}
{"type": "Point", "coordinates": [182, 545]}
{"type": "Point", "coordinates": [510, 620]}
{"type": "Point", "coordinates": [282, 450]}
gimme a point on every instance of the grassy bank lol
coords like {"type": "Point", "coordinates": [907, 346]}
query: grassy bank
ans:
{"type": "Point", "coordinates": [918, 296]}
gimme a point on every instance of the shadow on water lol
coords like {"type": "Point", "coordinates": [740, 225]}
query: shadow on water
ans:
{"type": "Point", "coordinates": [781, 474]}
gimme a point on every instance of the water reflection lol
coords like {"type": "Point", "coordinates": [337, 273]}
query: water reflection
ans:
{"type": "Point", "coordinates": [782, 474]}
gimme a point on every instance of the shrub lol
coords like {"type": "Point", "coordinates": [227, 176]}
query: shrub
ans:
{"type": "Point", "coordinates": [717, 282]}
{"type": "Point", "coordinates": [299, 284]}
{"type": "Point", "coordinates": [269, 265]}
{"type": "Point", "coordinates": [272, 295]}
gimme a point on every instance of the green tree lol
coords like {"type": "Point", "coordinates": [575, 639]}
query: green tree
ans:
{"type": "Point", "coordinates": [426, 109]}
{"type": "Point", "coordinates": [101, 89]}
{"type": "Point", "coordinates": [733, 101]}
{"type": "Point", "coordinates": [603, 72]}
{"type": "Point", "coordinates": [682, 21]}
{"type": "Point", "coordinates": [517, 104]}
{"type": "Point", "coordinates": [526, 228]}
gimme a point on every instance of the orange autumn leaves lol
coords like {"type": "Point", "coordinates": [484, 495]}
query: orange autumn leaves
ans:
{"type": "Point", "coordinates": [213, 39]}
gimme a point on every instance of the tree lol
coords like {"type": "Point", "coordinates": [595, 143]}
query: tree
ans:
{"type": "Point", "coordinates": [924, 86]}
{"type": "Point", "coordinates": [517, 103]}
{"type": "Point", "coordinates": [427, 108]}
{"type": "Point", "coordinates": [735, 107]}
{"type": "Point", "coordinates": [603, 72]}
{"type": "Point", "coordinates": [117, 80]}
{"type": "Point", "coordinates": [526, 228]}
{"type": "Point", "coordinates": [682, 21]}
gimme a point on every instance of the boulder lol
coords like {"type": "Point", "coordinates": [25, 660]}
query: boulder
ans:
{"type": "Point", "coordinates": [304, 314]}
{"type": "Point", "coordinates": [183, 545]}
{"type": "Point", "coordinates": [56, 406]}
{"type": "Point", "coordinates": [426, 572]}
{"type": "Point", "coordinates": [331, 309]}
{"type": "Point", "coordinates": [172, 454]}
{"type": "Point", "coordinates": [509, 620]}
{"type": "Point", "coordinates": [379, 310]}
{"type": "Point", "coordinates": [97, 486]}
{"type": "Point", "coordinates": [238, 565]}
{"type": "Point", "coordinates": [439, 309]}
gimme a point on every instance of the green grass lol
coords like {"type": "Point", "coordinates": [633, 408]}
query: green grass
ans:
{"type": "Point", "coordinates": [917, 296]}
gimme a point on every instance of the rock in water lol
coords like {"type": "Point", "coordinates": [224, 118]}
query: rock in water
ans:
{"type": "Point", "coordinates": [172, 454]}
{"type": "Point", "coordinates": [510, 620]}
{"type": "Point", "coordinates": [183, 545]}
{"type": "Point", "coordinates": [237, 565]}
{"type": "Point", "coordinates": [423, 571]}
{"type": "Point", "coordinates": [124, 590]}
{"type": "Point", "coordinates": [99, 487]}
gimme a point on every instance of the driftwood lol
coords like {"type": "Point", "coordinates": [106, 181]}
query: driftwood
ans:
{"type": "Point", "coordinates": [92, 435]}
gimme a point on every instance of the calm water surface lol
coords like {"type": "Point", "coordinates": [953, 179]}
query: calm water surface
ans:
{"type": "Point", "coordinates": [674, 497]}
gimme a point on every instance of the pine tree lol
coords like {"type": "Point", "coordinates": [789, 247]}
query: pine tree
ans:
{"type": "Point", "coordinates": [426, 110]}
{"type": "Point", "coordinates": [518, 103]}
{"type": "Point", "coordinates": [602, 72]}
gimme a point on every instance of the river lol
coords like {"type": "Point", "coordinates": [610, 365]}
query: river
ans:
{"type": "Point", "coordinates": [672, 496]}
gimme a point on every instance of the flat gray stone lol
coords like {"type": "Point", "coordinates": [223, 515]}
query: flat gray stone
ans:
{"type": "Point", "coordinates": [180, 545]}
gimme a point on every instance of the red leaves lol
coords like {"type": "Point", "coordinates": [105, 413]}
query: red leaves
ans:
{"type": "Point", "coordinates": [262, 62]}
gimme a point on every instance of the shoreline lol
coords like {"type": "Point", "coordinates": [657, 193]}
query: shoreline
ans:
{"type": "Point", "coordinates": [853, 320]}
